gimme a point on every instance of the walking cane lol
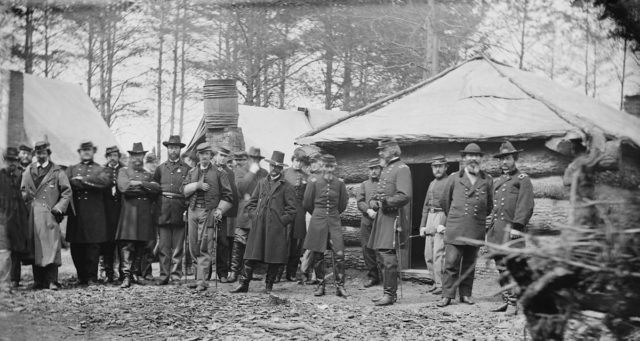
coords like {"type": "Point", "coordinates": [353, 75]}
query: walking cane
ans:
{"type": "Point", "coordinates": [396, 246]}
{"type": "Point", "coordinates": [215, 254]}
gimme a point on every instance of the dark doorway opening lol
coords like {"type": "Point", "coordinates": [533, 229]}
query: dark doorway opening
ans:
{"type": "Point", "coordinates": [421, 175]}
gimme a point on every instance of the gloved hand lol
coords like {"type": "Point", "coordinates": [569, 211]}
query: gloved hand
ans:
{"type": "Point", "coordinates": [515, 234]}
{"type": "Point", "coordinates": [371, 213]}
{"type": "Point", "coordinates": [441, 229]}
{"type": "Point", "coordinates": [217, 214]}
{"type": "Point", "coordinates": [374, 205]}
{"type": "Point", "coordinates": [423, 231]}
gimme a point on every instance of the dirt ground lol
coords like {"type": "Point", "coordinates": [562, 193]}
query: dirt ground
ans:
{"type": "Point", "coordinates": [175, 312]}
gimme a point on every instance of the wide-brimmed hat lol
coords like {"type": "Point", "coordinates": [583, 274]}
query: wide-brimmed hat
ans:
{"type": "Point", "coordinates": [241, 155]}
{"type": "Point", "coordinates": [87, 145]}
{"type": "Point", "coordinates": [204, 147]}
{"type": "Point", "coordinates": [439, 160]}
{"type": "Point", "coordinates": [507, 148]}
{"type": "Point", "coordinates": [375, 162]}
{"type": "Point", "coordinates": [384, 143]}
{"type": "Point", "coordinates": [472, 148]}
{"type": "Point", "coordinates": [41, 146]}
{"type": "Point", "coordinates": [174, 140]}
{"type": "Point", "coordinates": [254, 152]}
{"type": "Point", "coordinates": [112, 149]}
{"type": "Point", "coordinates": [25, 148]}
{"type": "Point", "coordinates": [137, 149]}
{"type": "Point", "coordinates": [328, 159]}
{"type": "Point", "coordinates": [277, 159]}
{"type": "Point", "coordinates": [11, 154]}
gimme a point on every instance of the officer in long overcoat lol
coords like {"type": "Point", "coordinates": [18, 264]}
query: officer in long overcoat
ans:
{"type": "Point", "coordinates": [227, 228]}
{"type": "Point", "coordinates": [86, 226]}
{"type": "Point", "coordinates": [272, 209]}
{"type": "Point", "coordinates": [512, 209]}
{"type": "Point", "coordinates": [467, 200]}
{"type": "Point", "coordinates": [47, 192]}
{"type": "Point", "coordinates": [392, 203]}
{"type": "Point", "coordinates": [137, 225]}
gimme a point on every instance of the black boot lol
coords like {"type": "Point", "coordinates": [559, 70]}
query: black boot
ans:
{"type": "Point", "coordinates": [272, 273]}
{"type": "Point", "coordinates": [319, 269]}
{"type": "Point", "coordinates": [236, 261]}
{"type": "Point", "coordinates": [389, 279]}
{"type": "Point", "coordinates": [279, 273]}
{"type": "Point", "coordinates": [245, 279]}
{"type": "Point", "coordinates": [339, 276]}
{"type": "Point", "coordinates": [126, 283]}
{"type": "Point", "coordinates": [126, 258]}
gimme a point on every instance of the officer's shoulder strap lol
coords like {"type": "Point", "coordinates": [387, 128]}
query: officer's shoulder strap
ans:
{"type": "Point", "coordinates": [522, 176]}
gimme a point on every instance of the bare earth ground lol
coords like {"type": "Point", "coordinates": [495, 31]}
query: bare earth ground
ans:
{"type": "Point", "coordinates": [177, 313]}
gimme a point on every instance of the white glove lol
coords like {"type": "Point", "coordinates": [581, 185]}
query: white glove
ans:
{"type": "Point", "coordinates": [254, 168]}
{"type": "Point", "coordinates": [371, 213]}
{"type": "Point", "coordinates": [423, 231]}
{"type": "Point", "coordinates": [514, 234]}
{"type": "Point", "coordinates": [441, 229]}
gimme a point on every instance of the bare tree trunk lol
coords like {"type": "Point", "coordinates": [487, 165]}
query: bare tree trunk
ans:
{"type": "Point", "coordinates": [525, 8]}
{"type": "Point", "coordinates": [283, 81]}
{"type": "Point", "coordinates": [434, 43]}
{"type": "Point", "coordinates": [182, 64]}
{"type": "Point", "coordinates": [102, 73]}
{"type": "Point", "coordinates": [347, 81]}
{"type": "Point", "coordinates": [174, 88]}
{"type": "Point", "coordinates": [90, 58]}
{"type": "Point", "coordinates": [328, 78]}
{"type": "Point", "coordinates": [111, 42]}
{"type": "Point", "coordinates": [28, 41]}
{"type": "Point", "coordinates": [595, 68]}
{"type": "Point", "coordinates": [159, 84]}
{"type": "Point", "coordinates": [624, 70]}
{"type": "Point", "coordinates": [586, 53]}
{"type": "Point", "coordinates": [46, 23]}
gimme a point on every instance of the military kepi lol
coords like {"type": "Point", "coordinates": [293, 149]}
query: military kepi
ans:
{"type": "Point", "coordinates": [506, 149]}
{"type": "Point", "coordinates": [329, 160]}
{"type": "Point", "coordinates": [439, 160]}
{"type": "Point", "coordinates": [41, 146]}
{"type": "Point", "coordinates": [174, 140]}
{"type": "Point", "coordinates": [472, 148]}
{"type": "Point", "coordinates": [373, 163]}
{"type": "Point", "coordinates": [277, 159]}
{"type": "Point", "coordinates": [112, 149]}
{"type": "Point", "coordinates": [87, 145]}
{"type": "Point", "coordinates": [387, 143]}
{"type": "Point", "coordinates": [11, 154]}
{"type": "Point", "coordinates": [137, 148]}
{"type": "Point", "coordinates": [204, 147]}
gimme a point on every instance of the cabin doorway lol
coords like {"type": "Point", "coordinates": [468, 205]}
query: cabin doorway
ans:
{"type": "Point", "coordinates": [421, 175]}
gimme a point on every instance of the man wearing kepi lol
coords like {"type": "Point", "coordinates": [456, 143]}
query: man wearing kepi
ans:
{"type": "Point", "coordinates": [87, 229]}
{"type": "Point", "coordinates": [467, 201]}
{"type": "Point", "coordinates": [46, 190]}
{"type": "Point", "coordinates": [392, 204]}
{"type": "Point", "coordinates": [326, 198]}
{"type": "Point", "coordinates": [432, 225]}
{"type": "Point", "coordinates": [136, 227]}
{"type": "Point", "coordinates": [248, 175]}
{"type": "Point", "coordinates": [297, 177]}
{"type": "Point", "coordinates": [272, 207]}
{"type": "Point", "coordinates": [210, 196]}
{"type": "Point", "coordinates": [112, 203]}
{"type": "Point", "coordinates": [172, 204]}
{"type": "Point", "coordinates": [367, 190]}
{"type": "Point", "coordinates": [512, 209]}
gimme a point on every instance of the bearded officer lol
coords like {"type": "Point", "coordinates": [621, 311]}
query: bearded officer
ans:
{"type": "Point", "coordinates": [467, 201]}
{"type": "Point", "coordinates": [87, 229]}
{"type": "Point", "coordinates": [512, 209]}
{"type": "Point", "coordinates": [392, 204]}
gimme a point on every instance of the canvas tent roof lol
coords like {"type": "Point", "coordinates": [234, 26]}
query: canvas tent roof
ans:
{"type": "Point", "coordinates": [273, 129]}
{"type": "Point", "coordinates": [66, 116]}
{"type": "Point", "coordinates": [480, 100]}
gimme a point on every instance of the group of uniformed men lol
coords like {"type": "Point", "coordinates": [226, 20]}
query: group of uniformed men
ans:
{"type": "Point", "coordinates": [239, 215]}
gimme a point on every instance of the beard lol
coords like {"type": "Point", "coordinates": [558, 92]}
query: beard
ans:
{"type": "Point", "coordinates": [174, 156]}
{"type": "Point", "coordinates": [137, 164]}
{"type": "Point", "coordinates": [473, 166]}
{"type": "Point", "coordinates": [328, 176]}
{"type": "Point", "coordinates": [25, 161]}
{"type": "Point", "coordinates": [41, 160]}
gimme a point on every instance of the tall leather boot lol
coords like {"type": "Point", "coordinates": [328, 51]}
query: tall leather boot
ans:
{"type": "Point", "coordinates": [272, 272]}
{"type": "Point", "coordinates": [319, 269]}
{"type": "Point", "coordinates": [340, 276]}
{"type": "Point", "coordinates": [279, 273]}
{"type": "Point", "coordinates": [126, 259]}
{"type": "Point", "coordinates": [236, 261]}
{"type": "Point", "coordinates": [390, 280]}
{"type": "Point", "coordinates": [245, 278]}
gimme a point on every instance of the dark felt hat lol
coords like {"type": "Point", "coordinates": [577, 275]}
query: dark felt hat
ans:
{"type": "Point", "coordinates": [151, 157]}
{"type": "Point", "coordinates": [112, 149]}
{"type": "Point", "coordinates": [87, 145]}
{"type": "Point", "coordinates": [241, 155]}
{"type": "Point", "coordinates": [329, 159]}
{"type": "Point", "coordinates": [472, 148]}
{"type": "Point", "coordinates": [204, 147]}
{"type": "Point", "coordinates": [137, 149]}
{"type": "Point", "coordinates": [41, 145]}
{"type": "Point", "coordinates": [25, 148]}
{"type": "Point", "coordinates": [300, 155]}
{"type": "Point", "coordinates": [277, 158]}
{"type": "Point", "coordinates": [11, 154]}
{"type": "Point", "coordinates": [174, 140]}
{"type": "Point", "coordinates": [374, 163]}
{"type": "Point", "coordinates": [255, 153]}
{"type": "Point", "coordinates": [506, 149]}
{"type": "Point", "coordinates": [439, 160]}
{"type": "Point", "coordinates": [387, 143]}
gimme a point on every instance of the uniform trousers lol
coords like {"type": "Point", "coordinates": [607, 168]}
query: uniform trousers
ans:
{"type": "Point", "coordinates": [85, 258]}
{"type": "Point", "coordinates": [369, 255]}
{"type": "Point", "coordinates": [170, 251]}
{"type": "Point", "coordinates": [459, 270]}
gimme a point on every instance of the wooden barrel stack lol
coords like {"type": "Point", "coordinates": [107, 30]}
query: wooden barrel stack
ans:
{"type": "Point", "coordinates": [221, 114]}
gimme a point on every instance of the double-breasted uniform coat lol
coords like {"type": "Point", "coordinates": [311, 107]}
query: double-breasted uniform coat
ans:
{"type": "Point", "coordinates": [367, 191]}
{"type": "Point", "coordinates": [136, 219]}
{"type": "Point", "coordinates": [88, 224]}
{"type": "Point", "coordinates": [325, 200]}
{"type": "Point", "coordinates": [53, 191]}
{"type": "Point", "coordinates": [394, 191]}
{"type": "Point", "coordinates": [512, 205]}
{"type": "Point", "coordinates": [172, 203]}
{"type": "Point", "coordinates": [112, 201]}
{"type": "Point", "coordinates": [272, 208]}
